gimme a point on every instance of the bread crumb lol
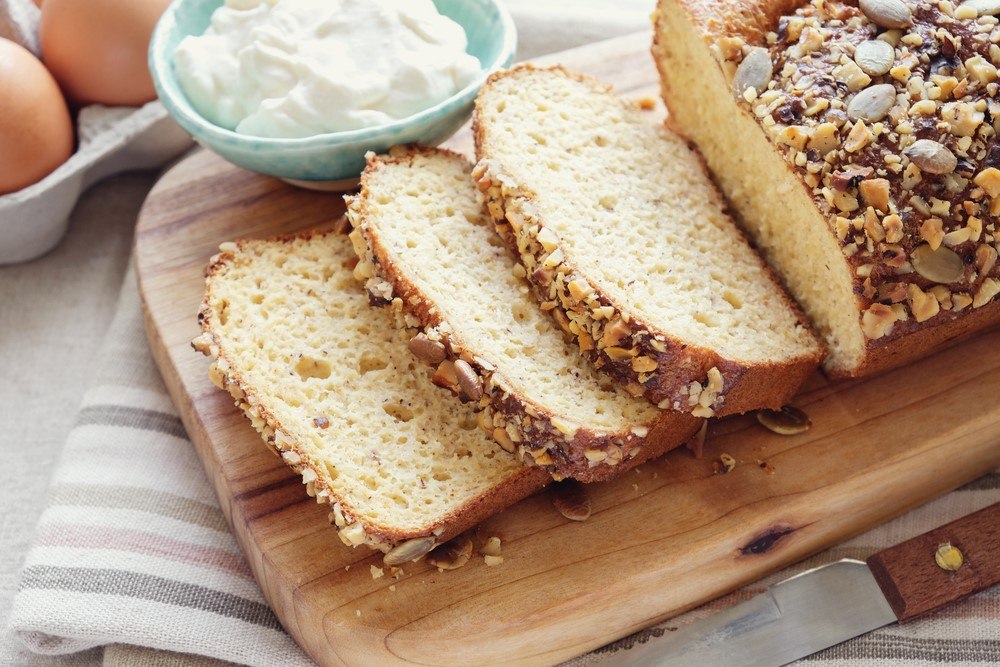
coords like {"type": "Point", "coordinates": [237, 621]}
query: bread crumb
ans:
{"type": "Point", "coordinates": [635, 487]}
{"type": "Point", "coordinates": [493, 560]}
{"type": "Point", "coordinates": [646, 103]}
{"type": "Point", "coordinates": [392, 587]}
{"type": "Point", "coordinates": [377, 572]}
{"type": "Point", "coordinates": [347, 568]}
{"type": "Point", "coordinates": [765, 466]}
{"type": "Point", "coordinates": [357, 612]}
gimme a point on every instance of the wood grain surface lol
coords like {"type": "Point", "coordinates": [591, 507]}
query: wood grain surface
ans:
{"type": "Point", "coordinates": [913, 581]}
{"type": "Point", "coordinates": [661, 540]}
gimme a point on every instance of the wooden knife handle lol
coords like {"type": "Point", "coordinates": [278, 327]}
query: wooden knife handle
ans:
{"type": "Point", "coordinates": [914, 583]}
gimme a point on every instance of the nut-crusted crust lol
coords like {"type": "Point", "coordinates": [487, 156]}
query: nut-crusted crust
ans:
{"type": "Point", "coordinates": [670, 372]}
{"type": "Point", "coordinates": [909, 339]}
{"type": "Point", "coordinates": [518, 424]}
{"type": "Point", "coordinates": [352, 528]}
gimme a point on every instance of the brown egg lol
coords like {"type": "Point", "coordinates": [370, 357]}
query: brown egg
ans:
{"type": "Point", "coordinates": [96, 49]}
{"type": "Point", "coordinates": [36, 132]}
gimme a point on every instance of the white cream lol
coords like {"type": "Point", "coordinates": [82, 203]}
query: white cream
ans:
{"type": "Point", "coordinates": [297, 68]}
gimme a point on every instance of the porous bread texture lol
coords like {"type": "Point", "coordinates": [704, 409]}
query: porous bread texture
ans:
{"type": "Point", "coordinates": [772, 205]}
{"type": "Point", "coordinates": [334, 392]}
{"type": "Point", "coordinates": [694, 41]}
{"type": "Point", "coordinates": [627, 242]}
{"type": "Point", "coordinates": [428, 252]}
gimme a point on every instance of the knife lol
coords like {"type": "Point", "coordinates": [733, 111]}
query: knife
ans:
{"type": "Point", "coordinates": [833, 603]}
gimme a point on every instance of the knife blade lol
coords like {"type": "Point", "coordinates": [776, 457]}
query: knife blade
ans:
{"type": "Point", "coordinates": [833, 603]}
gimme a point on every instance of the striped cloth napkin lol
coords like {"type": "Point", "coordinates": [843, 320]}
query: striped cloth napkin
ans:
{"type": "Point", "coordinates": [133, 549]}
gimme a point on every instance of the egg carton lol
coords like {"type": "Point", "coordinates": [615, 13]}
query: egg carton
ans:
{"type": "Point", "coordinates": [109, 140]}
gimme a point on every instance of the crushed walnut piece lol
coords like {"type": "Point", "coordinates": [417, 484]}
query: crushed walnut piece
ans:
{"type": "Point", "coordinates": [893, 124]}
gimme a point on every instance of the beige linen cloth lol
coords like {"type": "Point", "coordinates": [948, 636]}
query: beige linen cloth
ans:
{"type": "Point", "coordinates": [130, 561]}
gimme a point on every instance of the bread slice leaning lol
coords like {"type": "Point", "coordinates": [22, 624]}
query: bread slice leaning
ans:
{"type": "Point", "coordinates": [429, 253]}
{"type": "Point", "coordinates": [335, 392]}
{"type": "Point", "coordinates": [627, 242]}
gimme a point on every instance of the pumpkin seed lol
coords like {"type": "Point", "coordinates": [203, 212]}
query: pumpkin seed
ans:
{"type": "Point", "coordinates": [940, 266]}
{"type": "Point", "coordinates": [453, 554]}
{"type": "Point", "coordinates": [409, 550]}
{"type": "Point", "coordinates": [873, 103]}
{"type": "Point", "coordinates": [428, 350]}
{"type": "Point", "coordinates": [875, 57]}
{"type": "Point", "coordinates": [983, 7]}
{"type": "Point", "coordinates": [931, 157]}
{"type": "Point", "coordinates": [754, 72]}
{"type": "Point", "coordinates": [468, 381]}
{"type": "Point", "coordinates": [571, 499]}
{"type": "Point", "coordinates": [887, 13]}
{"type": "Point", "coordinates": [788, 420]}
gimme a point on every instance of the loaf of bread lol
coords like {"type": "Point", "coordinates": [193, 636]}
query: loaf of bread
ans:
{"type": "Point", "coordinates": [857, 142]}
{"type": "Point", "coordinates": [336, 394]}
{"type": "Point", "coordinates": [627, 243]}
{"type": "Point", "coordinates": [429, 254]}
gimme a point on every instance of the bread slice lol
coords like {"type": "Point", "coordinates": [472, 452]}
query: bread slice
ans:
{"type": "Point", "coordinates": [334, 391]}
{"type": "Point", "coordinates": [627, 242]}
{"type": "Point", "coordinates": [889, 259]}
{"type": "Point", "coordinates": [429, 253]}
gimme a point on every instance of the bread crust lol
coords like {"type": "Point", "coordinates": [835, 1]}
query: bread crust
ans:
{"type": "Point", "coordinates": [532, 430]}
{"type": "Point", "coordinates": [908, 341]}
{"type": "Point", "coordinates": [353, 528]}
{"type": "Point", "coordinates": [688, 377]}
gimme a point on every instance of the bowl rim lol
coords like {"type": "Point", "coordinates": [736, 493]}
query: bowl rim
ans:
{"type": "Point", "coordinates": [161, 63]}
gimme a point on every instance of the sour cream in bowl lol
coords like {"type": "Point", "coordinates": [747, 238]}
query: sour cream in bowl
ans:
{"type": "Point", "coordinates": [301, 89]}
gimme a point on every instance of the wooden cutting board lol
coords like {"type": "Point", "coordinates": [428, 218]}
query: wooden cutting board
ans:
{"type": "Point", "coordinates": [661, 540]}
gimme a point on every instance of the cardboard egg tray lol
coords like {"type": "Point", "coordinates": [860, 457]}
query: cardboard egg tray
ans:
{"type": "Point", "coordinates": [109, 140]}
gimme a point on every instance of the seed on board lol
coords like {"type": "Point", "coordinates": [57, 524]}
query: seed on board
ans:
{"type": "Point", "coordinates": [425, 349]}
{"type": "Point", "coordinates": [788, 420]}
{"type": "Point", "coordinates": [468, 381]}
{"type": "Point", "coordinates": [983, 7]}
{"type": "Point", "coordinates": [948, 557]}
{"type": "Point", "coordinates": [453, 554]}
{"type": "Point", "coordinates": [940, 266]}
{"type": "Point", "coordinates": [570, 498]}
{"type": "Point", "coordinates": [409, 551]}
{"type": "Point", "coordinates": [873, 103]}
{"type": "Point", "coordinates": [887, 13]}
{"type": "Point", "coordinates": [875, 57]}
{"type": "Point", "coordinates": [491, 547]}
{"type": "Point", "coordinates": [931, 157]}
{"type": "Point", "coordinates": [754, 72]}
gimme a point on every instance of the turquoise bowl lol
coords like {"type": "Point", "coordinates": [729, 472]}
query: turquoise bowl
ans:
{"type": "Point", "coordinates": [327, 159]}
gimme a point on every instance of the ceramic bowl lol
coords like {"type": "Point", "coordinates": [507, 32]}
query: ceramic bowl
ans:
{"type": "Point", "coordinates": [328, 160]}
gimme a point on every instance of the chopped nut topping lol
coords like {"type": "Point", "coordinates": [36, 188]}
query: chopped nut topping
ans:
{"type": "Point", "coordinates": [877, 321]}
{"type": "Point", "coordinates": [989, 180]}
{"type": "Point", "coordinates": [910, 91]}
{"type": "Point", "coordinates": [924, 306]}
